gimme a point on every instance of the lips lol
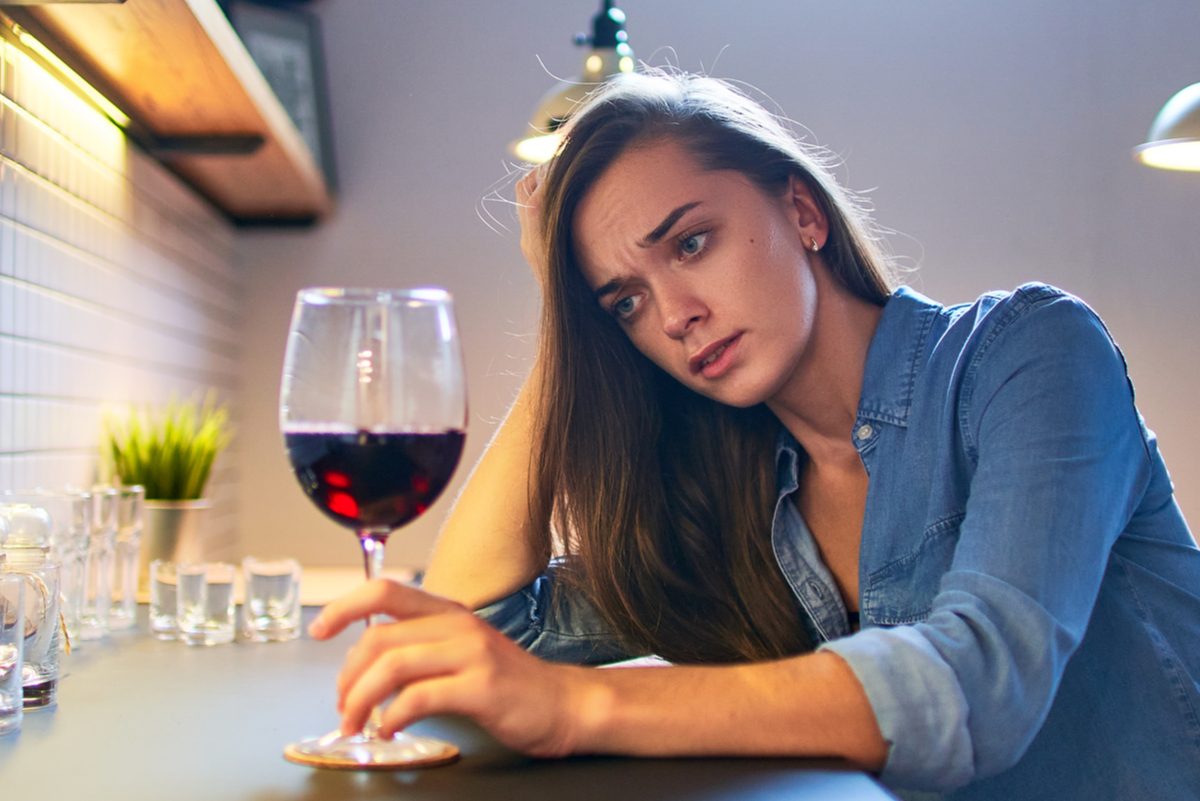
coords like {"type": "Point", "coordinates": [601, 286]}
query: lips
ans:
{"type": "Point", "coordinates": [711, 354]}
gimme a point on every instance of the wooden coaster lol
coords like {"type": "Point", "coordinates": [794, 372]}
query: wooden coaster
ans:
{"type": "Point", "coordinates": [333, 762]}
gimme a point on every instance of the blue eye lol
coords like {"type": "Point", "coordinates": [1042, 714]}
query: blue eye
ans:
{"type": "Point", "coordinates": [624, 308]}
{"type": "Point", "coordinates": [692, 244]}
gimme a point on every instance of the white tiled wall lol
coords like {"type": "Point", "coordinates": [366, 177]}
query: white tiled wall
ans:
{"type": "Point", "coordinates": [117, 287]}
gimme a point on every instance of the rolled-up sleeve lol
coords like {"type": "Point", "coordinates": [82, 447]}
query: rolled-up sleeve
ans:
{"type": "Point", "coordinates": [1046, 415]}
{"type": "Point", "coordinates": [554, 622]}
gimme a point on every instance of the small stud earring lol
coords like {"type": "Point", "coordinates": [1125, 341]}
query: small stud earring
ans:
{"type": "Point", "coordinates": [814, 247]}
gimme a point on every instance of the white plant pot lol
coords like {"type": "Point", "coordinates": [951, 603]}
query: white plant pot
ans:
{"type": "Point", "coordinates": [174, 532]}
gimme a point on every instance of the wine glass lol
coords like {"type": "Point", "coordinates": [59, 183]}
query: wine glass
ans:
{"type": "Point", "coordinates": [373, 411]}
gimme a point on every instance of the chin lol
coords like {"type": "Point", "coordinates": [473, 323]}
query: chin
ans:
{"type": "Point", "coordinates": [740, 402]}
{"type": "Point", "coordinates": [740, 397]}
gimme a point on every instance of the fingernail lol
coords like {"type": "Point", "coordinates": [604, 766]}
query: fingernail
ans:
{"type": "Point", "coordinates": [317, 628]}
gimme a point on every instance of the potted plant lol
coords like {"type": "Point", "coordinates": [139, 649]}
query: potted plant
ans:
{"type": "Point", "coordinates": [170, 452]}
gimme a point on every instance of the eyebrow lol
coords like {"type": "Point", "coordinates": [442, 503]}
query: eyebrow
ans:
{"type": "Point", "coordinates": [655, 236]}
{"type": "Point", "coordinates": [649, 240]}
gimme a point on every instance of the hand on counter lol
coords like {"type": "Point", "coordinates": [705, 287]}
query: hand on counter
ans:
{"type": "Point", "coordinates": [437, 658]}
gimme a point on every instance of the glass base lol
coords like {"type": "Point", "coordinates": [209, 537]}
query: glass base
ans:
{"type": "Point", "coordinates": [360, 752]}
{"type": "Point", "coordinates": [273, 631]}
{"type": "Point", "coordinates": [206, 635]}
{"type": "Point", "coordinates": [41, 694]}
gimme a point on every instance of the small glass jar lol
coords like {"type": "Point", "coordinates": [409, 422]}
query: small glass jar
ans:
{"type": "Point", "coordinates": [27, 553]}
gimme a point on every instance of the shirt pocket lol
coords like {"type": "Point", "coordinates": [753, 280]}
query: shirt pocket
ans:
{"type": "Point", "coordinates": [902, 591]}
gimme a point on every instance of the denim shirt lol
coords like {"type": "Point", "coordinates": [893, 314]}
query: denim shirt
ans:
{"type": "Point", "coordinates": [1029, 592]}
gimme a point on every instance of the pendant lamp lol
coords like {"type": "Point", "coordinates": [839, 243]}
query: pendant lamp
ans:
{"type": "Point", "coordinates": [1174, 140]}
{"type": "Point", "coordinates": [609, 54]}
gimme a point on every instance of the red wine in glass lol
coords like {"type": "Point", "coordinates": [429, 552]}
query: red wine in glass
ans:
{"type": "Point", "coordinates": [373, 480]}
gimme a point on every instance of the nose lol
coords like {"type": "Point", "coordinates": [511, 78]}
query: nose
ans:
{"type": "Point", "coordinates": [681, 310]}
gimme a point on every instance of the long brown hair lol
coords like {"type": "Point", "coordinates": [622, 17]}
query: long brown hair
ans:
{"type": "Point", "coordinates": [663, 498]}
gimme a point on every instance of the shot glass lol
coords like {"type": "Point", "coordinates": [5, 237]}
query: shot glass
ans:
{"type": "Point", "coordinates": [204, 603]}
{"type": "Point", "coordinates": [163, 606]}
{"type": "Point", "coordinates": [271, 602]}
{"type": "Point", "coordinates": [12, 639]}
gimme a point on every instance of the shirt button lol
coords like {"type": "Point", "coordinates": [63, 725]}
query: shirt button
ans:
{"type": "Point", "coordinates": [813, 592]}
{"type": "Point", "coordinates": [864, 432]}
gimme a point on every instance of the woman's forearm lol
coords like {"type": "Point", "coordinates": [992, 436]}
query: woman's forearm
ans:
{"type": "Point", "coordinates": [485, 550]}
{"type": "Point", "coordinates": [803, 706]}
{"type": "Point", "coordinates": [433, 657]}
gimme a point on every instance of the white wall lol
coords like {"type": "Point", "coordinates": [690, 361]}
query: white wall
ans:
{"type": "Point", "coordinates": [995, 139]}
{"type": "Point", "coordinates": [117, 287]}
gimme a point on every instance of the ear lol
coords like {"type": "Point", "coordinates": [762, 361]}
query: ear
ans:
{"type": "Point", "coordinates": [807, 213]}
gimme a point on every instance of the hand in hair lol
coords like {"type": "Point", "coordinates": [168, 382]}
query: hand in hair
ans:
{"type": "Point", "coordinates": [438, 658]}
{"type": "Point", "coordinates": [529, 213]}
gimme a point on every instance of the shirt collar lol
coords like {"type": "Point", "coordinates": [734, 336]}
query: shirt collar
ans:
{"type": "Point", "coordinates": [895, 355]}
{"type": "Point", "coordinates": [893, 361]}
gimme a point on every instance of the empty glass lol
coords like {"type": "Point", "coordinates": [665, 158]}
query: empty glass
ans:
{"type": "Point", "coordinates": [71, 516]}
{"type": "Point", "coordinates": [97, 587]}
{"type": "Point", "coordinates": [271, 604]}
{"type": "Point", "coordinates": [130, 503]}
{"type": "Point", "coordinates": [163, 606]}
{"type": "Point", "coordinates": [204, 603]}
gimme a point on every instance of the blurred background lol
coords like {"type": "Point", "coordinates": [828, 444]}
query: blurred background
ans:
{"type": "Point", "coordinates": [992, 139]}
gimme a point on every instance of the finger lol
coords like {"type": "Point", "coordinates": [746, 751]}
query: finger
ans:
{"type": "Point", "coordinates": [527, 187]}
{"type": "Point", "coordinates": [533, 181]}
{"type": "Point", "coordinates": [383, 637]}
{"type": "Point", "coordinates": [444, 695]}
{"type": "Point", "coordinates": [380, 596]}
{"type": "Point", "coordinates": [394, 670]}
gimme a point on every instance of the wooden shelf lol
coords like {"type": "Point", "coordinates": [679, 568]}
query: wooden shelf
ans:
{"type": "Point", "coordinates": [181, 73]}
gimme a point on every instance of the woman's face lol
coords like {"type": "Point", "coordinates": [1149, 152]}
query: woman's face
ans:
{"type": "Point", "coordinates": [708, 275]}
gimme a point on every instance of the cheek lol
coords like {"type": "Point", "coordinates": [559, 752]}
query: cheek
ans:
{"type": "Point", "coordinates": [795, 308]}
{"type": "Point", "coordinates": [774, 287]}
{"type": "Point", "coordinates": [652, 347]}
{"type": "Point", "coordinates": [665, 354]}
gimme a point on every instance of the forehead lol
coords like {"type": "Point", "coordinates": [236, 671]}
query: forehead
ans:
{"type": "Point", "coordinates": [633, 195]}
{"type": "Point", "coordinates": [640, 178]}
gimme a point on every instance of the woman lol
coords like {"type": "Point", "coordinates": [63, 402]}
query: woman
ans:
{"type": "Point", "coordinates": [937, 542]}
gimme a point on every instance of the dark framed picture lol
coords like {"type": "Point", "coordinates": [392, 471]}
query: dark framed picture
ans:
{"type": "Point", "coordinates": [285, 42]}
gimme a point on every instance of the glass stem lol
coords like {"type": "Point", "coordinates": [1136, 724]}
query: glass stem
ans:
{"type": "Point", "coordinates": [372, 543]}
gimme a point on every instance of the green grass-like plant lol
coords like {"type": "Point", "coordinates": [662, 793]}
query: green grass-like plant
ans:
{"type": "Point", "coordinates": [169, 452]}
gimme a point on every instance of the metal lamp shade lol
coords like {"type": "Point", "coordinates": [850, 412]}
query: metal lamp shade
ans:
{"type": "Point", "coordinates": [1174, 139]}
